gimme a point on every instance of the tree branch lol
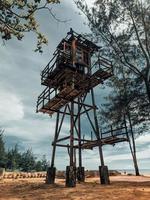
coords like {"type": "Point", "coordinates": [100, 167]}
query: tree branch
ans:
{"type": "Point", "coordinates": [138, 38]}
{"type": "Point", "coordinates": [145, 31]}
{"type": "Point", "coordinates": [131, 66]}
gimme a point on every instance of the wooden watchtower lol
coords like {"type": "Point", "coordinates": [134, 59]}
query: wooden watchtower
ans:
{"type": "Point", "coordinates": [70, 79]}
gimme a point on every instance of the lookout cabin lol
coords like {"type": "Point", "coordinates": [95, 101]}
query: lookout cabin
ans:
{"type": "Point", "coordinates": [69, 74]}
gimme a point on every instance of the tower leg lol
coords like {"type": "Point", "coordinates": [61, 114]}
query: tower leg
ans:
{"type": "Point", "coordinates": [51, 171]}
{"type": "Point", "coordinates": [80, 169]}
{"type": "Point", "coordinates": [50, 176]}
{"type": "Point", "coordinates": [70, 176]}
{"type": "Point", "coordinates": [104, 175]}
{"type": "Point", "coordinates": [71, 170]}
{"type": "Point", "coordinates": [103, 170]}
{"type": "Point", "coordinates": [80, 174]}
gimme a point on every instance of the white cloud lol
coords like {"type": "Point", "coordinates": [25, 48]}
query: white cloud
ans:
{"type": "Point", "coordinates": [145, 154]}
{"type": "Point", "coordinates": [143, 139]}
{"type": "Point", "coordinates": [90, 2]}
{"type": "Point", "coordinates": [35, 130]}
{"type": "Point", "coordinates": [11, 107]}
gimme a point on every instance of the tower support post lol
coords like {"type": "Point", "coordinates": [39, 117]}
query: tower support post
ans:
{"type": "Point", "coordinates": [51, 171]}
{"type": "Point", "coordinates": [71, 169]}
{"type": "Point", "coordinates": [104, 175]}
{"type": "Point", "coordinates": [80, 169]}
{"type": "Point", "coordinates": [50, 175]}
{"type": "Point", "coordinates": [103, 170]}
{"type": "Point", "coordinates": [80, 174]}
{"type": "Point", "coordinates": [70, 176]}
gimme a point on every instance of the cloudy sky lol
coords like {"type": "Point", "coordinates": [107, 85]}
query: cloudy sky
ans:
{"type": "Point", "coordinates": [20, 85]}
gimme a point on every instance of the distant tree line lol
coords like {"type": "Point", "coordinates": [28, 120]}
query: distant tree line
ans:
{"type": "Point", "coordinates": [13, 159]}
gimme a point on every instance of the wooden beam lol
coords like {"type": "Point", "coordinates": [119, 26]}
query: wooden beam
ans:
{"type": "Point", "coordinates": [61, 139]}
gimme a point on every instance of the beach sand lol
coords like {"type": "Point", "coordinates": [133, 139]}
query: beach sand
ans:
{"type": "Point", "coordinates": [121, 188]}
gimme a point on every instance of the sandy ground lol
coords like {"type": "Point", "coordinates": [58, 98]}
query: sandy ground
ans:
{"type": "Point", "coordinates": [121, 188]}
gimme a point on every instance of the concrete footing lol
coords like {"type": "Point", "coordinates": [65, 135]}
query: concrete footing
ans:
{"type": "Point", "coordinates": [80, 174]}
{"type": "Point", "coordinates": [104, 176]}
{"type": "Point", "coordinates": [70, 176]}
{"type": "Point", "coordinates": [50, 176]}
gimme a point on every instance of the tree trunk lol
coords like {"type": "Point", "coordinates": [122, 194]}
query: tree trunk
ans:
{"type": "Point", "coordinates": [134, 160]}
{"type": "Point", "coordinates": [147, 85]}
{"type": "Point", "coordinates": [133, 151]}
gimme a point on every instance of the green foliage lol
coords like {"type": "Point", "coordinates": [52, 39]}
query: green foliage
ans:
{"type": "Point", "coordinates": [41, 165]}
{"type": "Point", "coordinates": [27, 161]}
{"type": "Point", "coordinates": [38, 166]}
{"type": "Point", "coordinates": [125, 100]}
{"type": "Point", "coordinates": [122, 27]}
{"type": "Point", "coordinates": [13, 159]}
{"type": "Point", "coordinates": [44, 163]}
{"type": "Point", "coordinates": [2, 150]}
{"type": "Point", "coordinates": [18, 17]}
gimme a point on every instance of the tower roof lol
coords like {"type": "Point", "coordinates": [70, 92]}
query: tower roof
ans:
{"type": "Point", "coordinates": [80, 39]}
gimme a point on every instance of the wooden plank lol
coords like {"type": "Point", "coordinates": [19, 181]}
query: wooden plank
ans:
{"type": "Point", "coordinates": [95, 143]}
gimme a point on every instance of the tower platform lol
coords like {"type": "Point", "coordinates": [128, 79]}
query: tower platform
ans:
{"type": "Point", "coordinates": [106, 141]}
{"type": "Point", "coordinates": [109, 137]}
{"type": "Point", "coordinates": [70, 84]}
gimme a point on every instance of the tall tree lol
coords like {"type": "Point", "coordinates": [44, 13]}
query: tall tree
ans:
{"type": "Point", "coordinates": [122, 27]}
{"type": "Point", "coordinates": [2, 150]}
{"type": "Point", "coordinates": [44, 163]}
{"type": "Point", "coordinates": [13, 158]}
{"type": "Point", "coordinates": [41, 165]}
{"type": "Point", "coordinates": [120, 110]}
{"type": "Point", "coordinates": [18, 17]}
{"type": "Point", "coordinates": [27, 161]}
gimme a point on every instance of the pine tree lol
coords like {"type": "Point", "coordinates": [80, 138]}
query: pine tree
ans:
{"type": "Point", "coordinates": [13, 158]}
{"type": "Point", "coordinates": [38, 166]}
{"type": "Point", "coordinates": [2, 150]}
{"type": "Point", "coordinates": [44, 163]}
{"type": "Point", "coordinates": [120, 109]}
{"type": "Point", "coordinates": [27, 161]}
{"type": "Point", "coordinates": [122, 28]}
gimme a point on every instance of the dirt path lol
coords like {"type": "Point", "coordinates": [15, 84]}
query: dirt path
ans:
{"type": "Point", "coordinates": [121, 188]}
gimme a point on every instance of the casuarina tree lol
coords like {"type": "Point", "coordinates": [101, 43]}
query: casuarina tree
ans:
{"type": "Point", "coordinates": [122, 28]}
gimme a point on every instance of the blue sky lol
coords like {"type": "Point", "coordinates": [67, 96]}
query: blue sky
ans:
{"type": "Point", "coordinates": [20, 85]}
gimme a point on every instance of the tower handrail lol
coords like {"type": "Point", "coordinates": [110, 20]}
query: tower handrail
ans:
{"type": "Point", "coordinates": [103, 63]}
{"type": "Point", "coordinates": [116, 132]}
{"type": "Point", "coordinates": [49, 68]}
{"type": "Point", "coordinates": [45, 95]}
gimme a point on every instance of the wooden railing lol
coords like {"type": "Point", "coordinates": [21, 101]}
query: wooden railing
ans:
{"type": "Point", "coordinates": [122, 131]}
{"type": "Point", "coordinates": [103, 64]}
{"type": "Point", "coordinates": [58, 56]}
{"type": "Point", "coordinates": [45, 97]}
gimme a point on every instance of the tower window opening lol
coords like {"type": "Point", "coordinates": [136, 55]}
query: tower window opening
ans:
{"type": "Point", "coordinates": [79, 55]}
{"type": "Point", "coordinates": [86, 57]}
